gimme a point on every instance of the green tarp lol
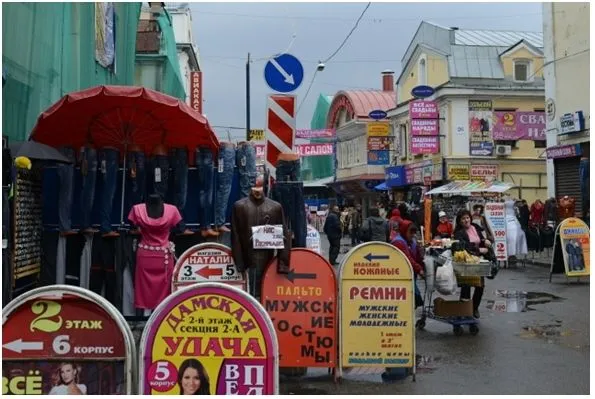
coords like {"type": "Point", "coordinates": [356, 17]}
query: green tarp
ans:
{"type": "Point", "coordinates": [319, 167]}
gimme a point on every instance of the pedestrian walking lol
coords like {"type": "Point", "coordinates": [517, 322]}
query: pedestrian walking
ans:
{"type": "Point", "coordinates": [375, 227]}
{"type": "Point", "coordinates": [333, 231]}
{"type": "Point", "coordinates": [355, 225]}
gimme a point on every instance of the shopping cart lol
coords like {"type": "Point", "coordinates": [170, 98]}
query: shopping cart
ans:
{"type": "Point", "coordinates": [436, 258]}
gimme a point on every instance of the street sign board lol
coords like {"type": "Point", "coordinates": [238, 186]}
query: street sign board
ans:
{"type": "Point", "coordinates": [422, 91]}
{"type": "Point", "coordinates": [376, 308]}
{"type": "Point", "coordinates": [303, 307]}
{"type": "Point", "coordinates": [215, 333]}
{"type": "Point", "coordinates": [284, 73]}
{"type": "Point", "coordinates": [377, 114]}
{"type": "Point", "coordinates": [207, 262]}
{"type": "Point", "coordinates": [61, 340]}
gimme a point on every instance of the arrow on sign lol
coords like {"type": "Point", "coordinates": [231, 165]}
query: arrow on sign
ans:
{"type": "Point", "coordinates": [19, 346]}
{"type": "Point", "coordinates": [482, 152]}
{"type": "Point", "coordinates": [288, 78]}
{"type": "Point", "coordinates": [292, 276]}
{"type": "Point", "coordinates": [369, 257]}
{"type": "Point", "coordinates": [207, 272]}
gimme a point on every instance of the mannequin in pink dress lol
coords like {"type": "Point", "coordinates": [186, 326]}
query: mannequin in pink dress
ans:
{"type": "Point", "coordinates": [155, 254]}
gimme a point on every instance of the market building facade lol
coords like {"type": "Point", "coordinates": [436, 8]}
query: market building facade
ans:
{"type": "Point", "coordinates": [485, 119]}
{"type": "Point", "coordinates": [566, 71]}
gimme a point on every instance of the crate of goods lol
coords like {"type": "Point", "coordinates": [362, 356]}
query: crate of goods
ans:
{"type": "Point", "coordinates": [444, 308]}
{"type": "Point", "coordinates": [482, 269]}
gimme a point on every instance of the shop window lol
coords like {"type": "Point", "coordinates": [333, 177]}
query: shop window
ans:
{"type": "Point", "coordinates": [540, 144]}
{"type": "Point", "coordinates": [522, 70]}
{"type": "Point", "coordinates": [512, 143]}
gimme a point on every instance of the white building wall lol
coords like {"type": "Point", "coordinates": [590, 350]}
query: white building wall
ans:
{"type": "Point", "coordinates": [549, 75]}
{"type": "Point", "coordinates": [459, 128]}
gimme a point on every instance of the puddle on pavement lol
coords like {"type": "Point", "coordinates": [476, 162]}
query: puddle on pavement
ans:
{"type": "Point", "coordinates": [511, 301]}
{"type": "Point", "coordinates": [550, 332]}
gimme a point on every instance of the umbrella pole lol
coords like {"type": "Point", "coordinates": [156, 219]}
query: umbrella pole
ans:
{"type": "Point", "coordinates": [123, 188]}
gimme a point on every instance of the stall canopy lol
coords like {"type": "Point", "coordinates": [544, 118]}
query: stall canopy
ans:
{"type": "Point", "coordinates": [381, 187]}
{"type": "Point", "coordinates": [121, 116]}
{"type": "Point", "coordinates": [470, 187]}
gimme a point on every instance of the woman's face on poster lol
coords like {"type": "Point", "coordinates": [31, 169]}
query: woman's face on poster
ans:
{"type": "Point", "coordinates": [67, 373]}
{"type": "Point", "coordinates": [190, 381]}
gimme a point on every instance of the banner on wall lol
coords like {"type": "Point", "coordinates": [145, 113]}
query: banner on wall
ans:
{"type": "Point", "coordinates": [481, 142]}
{"type": "Point", "coordinates": [424, 127]}
{"type": "Point", "coordinates": [376, 308]}
{"type": "Point", "coordinates": [495, 215]}
{"type": "Point", "coordinates": [54, 335]}
{"type": "Point", "coordinates": [423, 109]}
{"type": "Point", "coordinates": [312, 150]}
{"type": "Point", "coordinates": [519, 125]}
{"type": "Point", "coordinates": [314, 133]}
{"type": "Point", "coordinates": [378, 157]}
{"type": "Point", "coordinates": [378, 128]}
{"type": "Point", "coordinates": [378, 143]}
{"type": "Point", "coordinates": [457, 172]}
{"type": "Point", "coordinates": [485, 173]}
{"type": "Point", "coordinates": [425, 145]}
{"type": "Point", "coordinates": [213, 334]}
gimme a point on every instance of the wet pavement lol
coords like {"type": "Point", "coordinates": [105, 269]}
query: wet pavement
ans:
{"type": "Point", "coordinates": [543, 349]}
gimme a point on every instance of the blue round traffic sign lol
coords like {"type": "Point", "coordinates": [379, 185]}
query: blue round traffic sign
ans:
{"type": "Point", "coordinates": [377, 114]}
{"type": "Point", "coordinates": [422, 91]}
{"type": "Point", "coordinates": [284, 73]}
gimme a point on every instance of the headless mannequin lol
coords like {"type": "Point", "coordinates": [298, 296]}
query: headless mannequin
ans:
{"type": "Point", "coordinates": [154, 206]}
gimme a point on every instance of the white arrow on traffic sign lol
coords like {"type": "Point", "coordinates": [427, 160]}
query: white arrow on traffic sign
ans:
{"type": "Point", "coordinates": [288, 77]}
{"type": "Point", "coordinates": [19, 346]}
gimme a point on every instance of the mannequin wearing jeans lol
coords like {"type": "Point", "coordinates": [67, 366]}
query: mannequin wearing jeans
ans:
{"type": "Point", "coordinates": [204, 166]}
{"type": "Point", "coordinates": [225, 168]}
{"type": "Point", "coordinates": [136, 177]}
{"type": "Point", "coordinates": [178, 159]}
{"type": "Point", "coordinates": [110, 158]}
{"type": "Point", "coordinates": [246, 163]}
{"type": "Point", "coordinates": [66, 191]}
{"type": "Point", "coordinates": [89, 178]}
{"type": "Point", "coordinates": [159, 171]}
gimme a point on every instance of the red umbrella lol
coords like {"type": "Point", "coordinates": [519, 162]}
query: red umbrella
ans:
{"type": "Point", "coordinates": [119, 116]}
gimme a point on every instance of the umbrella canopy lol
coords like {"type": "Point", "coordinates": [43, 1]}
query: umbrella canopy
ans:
{"type": "Point", "coordinates": [469, 187]}
{"type": "Point", "coordinates": [381, 187]}
{"type": "Point", "coordinates": [34, 150]}
{"type": "Point", "coordinates": [120, 116]}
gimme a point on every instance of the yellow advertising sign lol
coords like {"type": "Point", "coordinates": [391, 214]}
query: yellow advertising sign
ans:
{"type": "Point", "coordinates": [376, 302]}
{"type": "Point", "coordinates": [574, 237]}
{"type": "Point", "coordinates": [210, 339]}
{"type": "Point", "coordinates": [378, 128]}
{"type": "Point", "coordinates": [458, 172]}
{"type": "Point", "coordinates": [256, 135]}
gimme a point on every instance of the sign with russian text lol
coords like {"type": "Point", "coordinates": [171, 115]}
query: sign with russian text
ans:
{"type": "Point", "coordinates": [485, 173]}
{"type": "Point", "coordinates": [378, 128]}
{"type": "Point", "coordinates": [64, 340]}
{"type": "Point", "coordinates": [395, 176]}
{"type": "Point", "coordinates": [376, 308]}
{"type": "Point", "coordinates": [314, 133]}
{"type": "Point", "coordinates": [257, 135]}
{"type": "Point", "coordinates": [424, 127]}
{"type": "Point", "coordinates": [313, 150]}
{"type": "Point", "coordinates": [571, 123]}
{"type": "Point", "coordinates": [267, 237]}
{"type": "Point", "coordinates": [425, 144]}
{"type": "Point", "coordinates": [207, 262]}
{"type": "Point", "coordinates": [495, 215]}
{"type": "Point", "coordinates": [574, 237]}
{"type": "Point", "coordinates": [303, 307]}
{"type": "Point", "coordinates": [209, 339]}
{"type": "Point", "coordinates": [481, 142]}
{"type": "Point", "coordinates": [378, 157]}
{"type": "Point", "coordinates": [423, 109]}
{"type": "Point", "coordinates": [196, 91]}
{"type": "Point", "coordinates": [313, 238]}
{"type": "Point", "coordinates": [519, 125]}
{"type": "Point", "coordinates": [260, 153]}
{"type": "Point", "coordinates": [564, 151]}
{"type": "Point", "coordinates": [378, 143]}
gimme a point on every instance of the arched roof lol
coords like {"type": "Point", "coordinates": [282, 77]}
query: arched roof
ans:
{"type": "Point", "coordinates": [364, 101]}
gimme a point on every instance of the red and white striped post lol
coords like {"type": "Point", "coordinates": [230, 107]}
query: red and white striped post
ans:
{"type": "Point", "coordinates": [280, 129]}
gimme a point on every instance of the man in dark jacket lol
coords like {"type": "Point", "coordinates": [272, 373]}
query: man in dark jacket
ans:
{"type": "Point", "coordinates": [375, 228]}
{"type": "Point", "coordinates": [332, 229]}
{"type": "Point", "coordinates": [356, 224]}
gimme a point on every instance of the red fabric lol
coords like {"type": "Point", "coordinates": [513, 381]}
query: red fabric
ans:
{"type": "Point", "coordinates": [119, 116]}
{"type": "Point", "coordinates": [537, 213]}
{"type": "Point", "coordinates": [445, 228]}
{"type": "Point", "coordinates": [415, 257]}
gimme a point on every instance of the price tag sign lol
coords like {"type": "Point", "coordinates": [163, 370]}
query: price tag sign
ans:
{"type": "Point", "coordinates": [267, 237]}
{"type": "Point", "coordinates": [62, 340]}
{"type": "Point", "coordinates": [500, 306]}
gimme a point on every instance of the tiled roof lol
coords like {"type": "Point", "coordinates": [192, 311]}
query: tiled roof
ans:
{"type": "Point", "coordinates": [364, 101]}
{"type": "Point", "coordinates": [496, 38]}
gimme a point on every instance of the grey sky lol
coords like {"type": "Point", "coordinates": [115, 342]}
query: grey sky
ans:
{"type": "Point", "coordinates": [226, 32]}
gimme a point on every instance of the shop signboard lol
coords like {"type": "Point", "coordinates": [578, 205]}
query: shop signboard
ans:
{"type": "Point", "coordinates": [313, 237]}
{"type": "Point", "coordinates": [564, 151]}
{"type": "Point", "coordinates": [422, 91]}
{"type": "Point", "coordinates": [378, 128]}
{"type": "Point", "coordinates": [314, 133]}
{"type": "Point", "coordinates": [457, 172]}
{"type": "Point", "coordinates": [61, 340]}
{"type": "Point", "coordinates": [207, 262]}
{"type": "Point", "coordinates": [519, 125]}
{"type": "Point", "coordinates": [575, 245]}
{"type": "Point", "coordinates": [417, 175]}
{"type": "Point", "coordinates": [313, 150]}
{"type": "Point", "coordinates": [485, 173]}
{"type": "Point", "coordinates": [377, 114]}
{"type": "Point", "coordinates": [395, 176]}
{"type": "Point", "coordinates": [376, 308]}
{"type": "Point", "coordinates": [303, 307]}
{"type": "Point", "coordinates": [260, 155]}
{"type": "Point", "coordinates": [427, 173]}
{"type": "Point", "coordinates": [378, 143]}
{"type": "Point", "coordinates": [257, 135]}
{"type": "Point", "coordinates": [572, 122]}
{"type": "Point", "coordinates": [408, 175]}
{"type": "Point", "coordinates": [424, 127]}
{"type": "Point", "coordinates": [213, 332]}
{"type": "Point", "coordinates": [495, 215]}
{"type": "Point", "coordinates": [481, 142]}
{"type": "Point", "coordinates": [378, 157]}
{"type": "Point", "coordinates": [425, 144]}
{"type": "Point", "coordinates": [423, 109]}
{"type": "Point", "coordinates": [481, 148]}
{"type": "Point", "coordinates": [437, 171]}
{"type": "Point", "coordinates": [196, 91]}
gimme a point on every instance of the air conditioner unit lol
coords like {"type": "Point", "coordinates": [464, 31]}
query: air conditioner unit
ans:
{"type": "Point", "coordinates": [502, 150]}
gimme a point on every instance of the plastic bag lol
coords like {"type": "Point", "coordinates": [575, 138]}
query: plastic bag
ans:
{"type": "Point", "coordinates": [446, 281]}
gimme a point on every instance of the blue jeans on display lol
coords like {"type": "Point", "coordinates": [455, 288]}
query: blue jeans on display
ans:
{"type": "Point", "coordinates": [291, 197]}
{"type": "Point", "coordinates": [225, 168]}
{"type": "Point", "coordinates": [246, 163]}
{"type": "Point", "coordinates": [204, 166]}
{"type": "Point", "coordinates": [136, 176]}
{"type": "Point", "coordinates": [66, 190]}
{"type": "Point", "coordinates": [159, 179]}
{"type": "Point", "coordinates": [179, 162]}
{"type": "Point", "coordinates": [110, 159]}
{"type": "Point", "coordinates": [89, 178]}
{"type": "Point", "coordinates": [288, 171]}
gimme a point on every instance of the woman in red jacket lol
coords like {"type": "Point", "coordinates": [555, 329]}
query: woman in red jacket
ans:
{"type": "Point", "coordinates": [405, 241]}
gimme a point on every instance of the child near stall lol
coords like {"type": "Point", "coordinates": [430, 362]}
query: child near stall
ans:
{"type": "Point", "coordinates": [444, 229]}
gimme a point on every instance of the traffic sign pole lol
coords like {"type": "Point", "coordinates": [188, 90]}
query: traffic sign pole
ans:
{"type": "Point", "coordinates": [248, 98]}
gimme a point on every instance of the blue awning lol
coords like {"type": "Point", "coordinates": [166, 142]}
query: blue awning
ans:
{"type": "Point", "coordinates": [381, 187]}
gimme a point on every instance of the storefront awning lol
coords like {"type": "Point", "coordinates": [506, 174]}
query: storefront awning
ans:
{"type": "Point", "coordinates": [381, 187]}
{"type": "Point", "coordinates": [470, 187]}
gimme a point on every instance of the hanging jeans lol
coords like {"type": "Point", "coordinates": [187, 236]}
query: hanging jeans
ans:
{"type": "Point", "coordinates": [103, 268]}
{"type": "Point", "coordinates": [288, 171]}
{"type": "Point", "coordinates": [225, 168]}
{"type": "Point", "coordinates": [246, 163]}
{"type": "Point", "coordinates": [136, 179]}
{"type": "Point", "coordinates": [89, 178]}
{"type": "Point", "coordinates": [291, 197]}
{"type": "Point", "coordinates": [110, 158]}
{"type": "Point", "coordinates": [66, 190]}
{"type": "Point", "coordinates": [159, 173]}
{"type": "Point", "coordinates": [178, 159]}
{"type": "Point", "coordinates": [204, 167]}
